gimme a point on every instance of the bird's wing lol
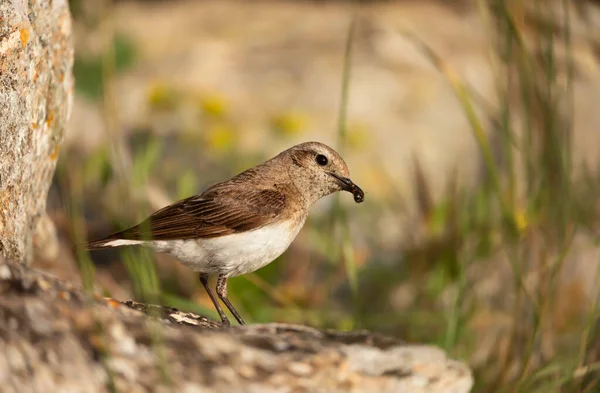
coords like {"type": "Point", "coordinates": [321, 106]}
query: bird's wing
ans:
{"type": "Point", "coordinates": [220, 211]}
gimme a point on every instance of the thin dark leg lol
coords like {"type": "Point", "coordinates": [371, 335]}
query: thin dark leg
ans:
{"type": "Point", "coordinates": [204, 281]}
{"type": "Point", "coordinates": [222, 292]}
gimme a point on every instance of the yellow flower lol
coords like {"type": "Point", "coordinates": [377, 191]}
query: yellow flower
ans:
{"type": "Point", "coordinates": [520, 219]}
{"type": "Point", "coordinates": [289, 124]}
{"type": "Point", "coordinates": [161, 96]}
{"type": "Point", "coordinates": [221, 137]}
{"type": "Point", "coordinates": [213, 105]}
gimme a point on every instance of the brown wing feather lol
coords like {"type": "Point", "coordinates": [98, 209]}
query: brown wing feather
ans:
{"type": "Point", "coordinates": [219, 211]}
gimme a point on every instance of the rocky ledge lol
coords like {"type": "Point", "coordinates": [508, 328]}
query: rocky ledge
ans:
{"type": "Point", "coordinates": [56, 338]}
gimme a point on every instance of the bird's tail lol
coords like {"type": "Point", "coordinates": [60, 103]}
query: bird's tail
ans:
{"type": "Point", "coordinates": [110, 242]}
{"type": "Point", "coordinates": [98, 244]}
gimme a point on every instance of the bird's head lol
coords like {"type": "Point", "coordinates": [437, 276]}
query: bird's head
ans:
{"type": "Point", "coordinates": [318, 170]}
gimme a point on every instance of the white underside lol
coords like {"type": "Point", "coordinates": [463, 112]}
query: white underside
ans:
{"type": "Point", "coordinates": [232, 255]}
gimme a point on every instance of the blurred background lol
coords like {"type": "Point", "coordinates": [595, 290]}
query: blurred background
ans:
{"type": "Point", "coordinates": [472, 126]}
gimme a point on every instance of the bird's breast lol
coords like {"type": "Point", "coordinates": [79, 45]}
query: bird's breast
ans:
{"type": "Point", "coordinates": [234, 254]}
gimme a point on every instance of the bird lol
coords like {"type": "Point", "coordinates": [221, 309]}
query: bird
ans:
{"type": "Point", "coordinates": [240, 225]}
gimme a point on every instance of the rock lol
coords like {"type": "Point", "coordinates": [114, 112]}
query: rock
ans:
{"type": "Point", "coordinates": [60, 339]}
{"type": "Point", "coordinates": [36, 86]}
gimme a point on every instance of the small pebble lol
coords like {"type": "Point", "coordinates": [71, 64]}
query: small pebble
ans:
{"type": "Point", "coordinates": [5, 273]}
{"type": "Point", "coordinates": [246, 371]}
{"type": "Point", "coordinates": [300, 369]}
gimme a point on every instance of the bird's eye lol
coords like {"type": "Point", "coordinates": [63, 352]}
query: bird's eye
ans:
{"type": "Point", "coordinates": [322, 160]}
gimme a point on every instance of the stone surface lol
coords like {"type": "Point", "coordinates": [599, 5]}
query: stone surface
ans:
{"type": "Point", "coordinates": [36, 58]}
{"type": "Point", "coordinates": [55, 338]}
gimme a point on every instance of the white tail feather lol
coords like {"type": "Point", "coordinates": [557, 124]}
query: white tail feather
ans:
{"type": "Point", "coordinates": [122, 242]}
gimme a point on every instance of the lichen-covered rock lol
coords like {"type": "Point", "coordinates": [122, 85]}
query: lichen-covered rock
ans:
{"type": "Point", "coordinates": [56, 339]}
{"type": "Point", "coordinates": [36, 87]}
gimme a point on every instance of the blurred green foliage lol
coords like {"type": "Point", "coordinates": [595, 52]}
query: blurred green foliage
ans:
{"type": "Point", "coordinates": [89, 71]}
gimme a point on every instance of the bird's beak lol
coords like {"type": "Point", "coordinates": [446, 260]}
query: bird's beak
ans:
{"type": "Point", "coordinates": [348, 185]}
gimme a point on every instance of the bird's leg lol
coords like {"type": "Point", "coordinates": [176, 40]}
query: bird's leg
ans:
{"type": "Point", "coordinates": [222, 292]}
{"type": "Point", "coordinates": [204, 281]}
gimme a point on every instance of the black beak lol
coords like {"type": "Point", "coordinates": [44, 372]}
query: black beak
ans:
{"type": "Point", "coordinates": [348, 185]}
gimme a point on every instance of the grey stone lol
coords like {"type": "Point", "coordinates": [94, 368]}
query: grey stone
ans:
{"type": "Point", "coordinates": [90, 341]}
{"type": "Point", "coordinates": [36, 85]}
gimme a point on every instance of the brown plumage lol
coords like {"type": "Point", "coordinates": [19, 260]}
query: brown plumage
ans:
{"type": "Point", "coordinates": [242, 224]}
{"type": "Point", "coordinates": [221, 210]}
